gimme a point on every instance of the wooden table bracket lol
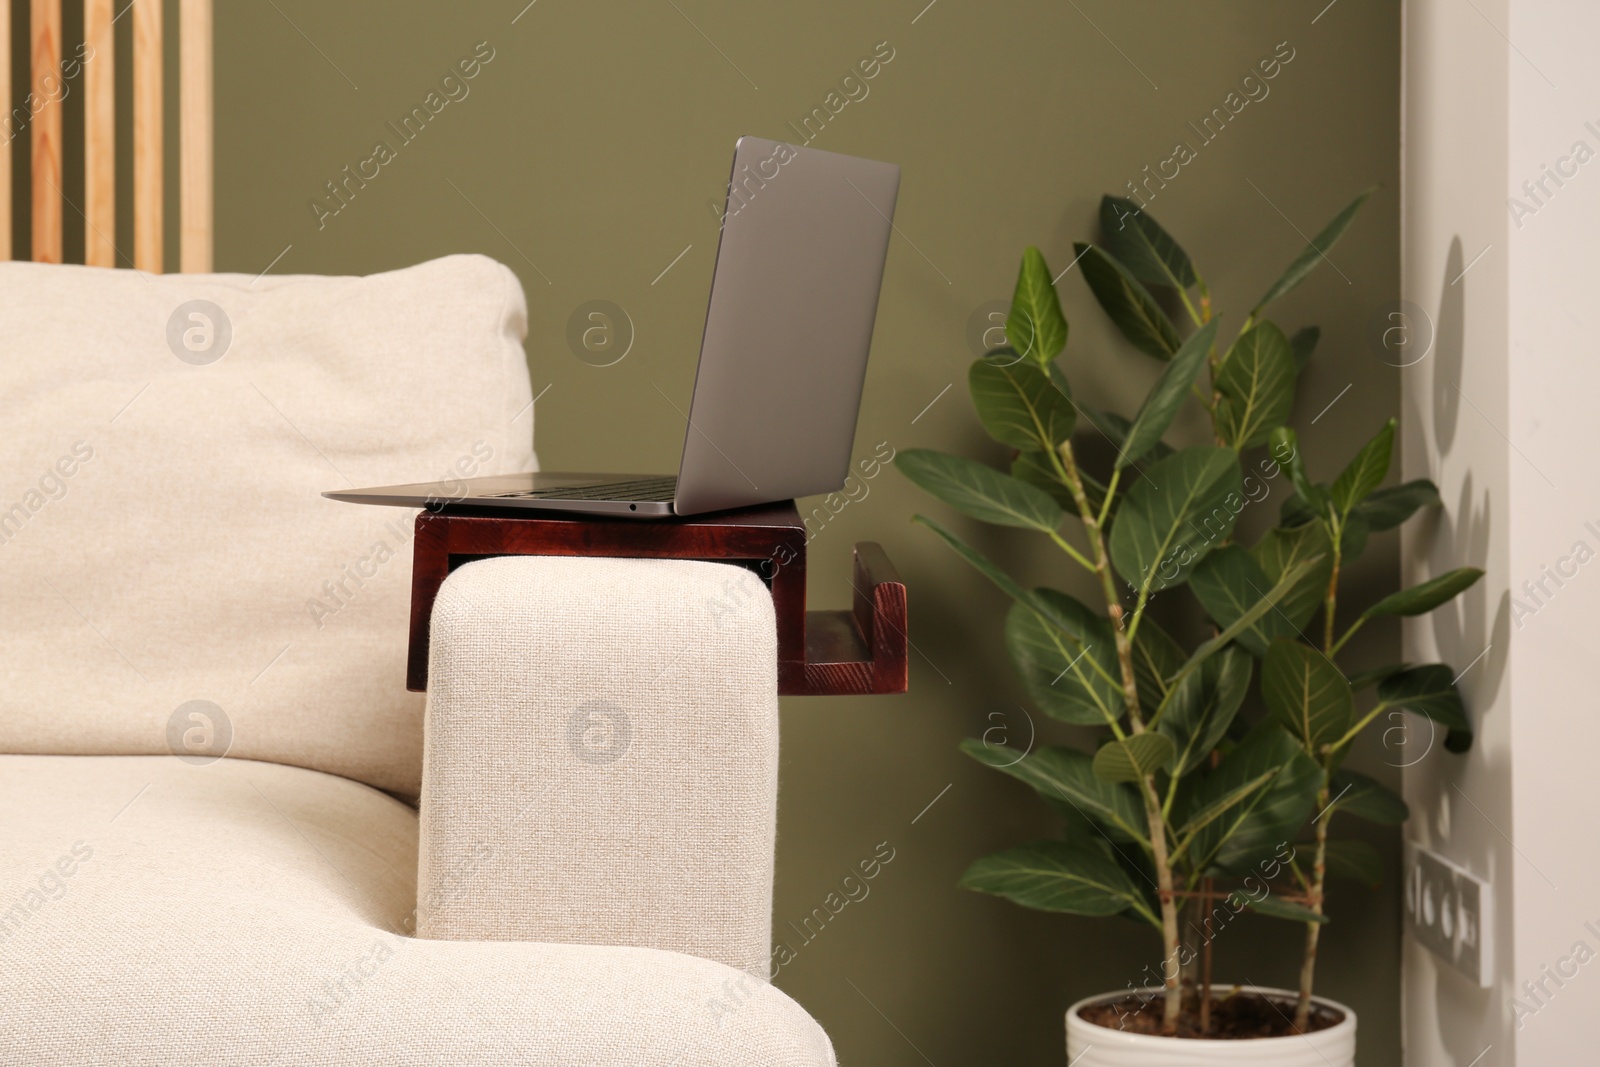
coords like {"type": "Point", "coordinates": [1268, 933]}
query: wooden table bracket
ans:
{"type": "Point", "coordinates": [860, 650]}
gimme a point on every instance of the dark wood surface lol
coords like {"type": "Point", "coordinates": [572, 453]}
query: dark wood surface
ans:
{"type": "Point", "coordinates": [820, 653]}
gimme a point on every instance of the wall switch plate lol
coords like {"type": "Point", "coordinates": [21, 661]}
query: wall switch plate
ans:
{"type": "Point", "coordinates": [1451, 911]}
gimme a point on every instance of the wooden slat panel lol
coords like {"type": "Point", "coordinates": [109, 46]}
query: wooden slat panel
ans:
{"type": "Point", "coordinates": [8, 129]}
{"type": "Point", "coordinates": [99, 137]}
{"type": "Point", "coordinates": [194, 132]}
{"type": "Point", "coordinates": [147, 136]}
{"type": "Point", "coordinates": [47, 87]}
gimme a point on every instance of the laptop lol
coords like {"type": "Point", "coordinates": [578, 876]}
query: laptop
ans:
{"type": "Point", "coordinates": [782, 360]}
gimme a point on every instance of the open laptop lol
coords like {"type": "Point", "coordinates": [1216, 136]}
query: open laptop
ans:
{"type": "Point", "coordinates": [782, 361]}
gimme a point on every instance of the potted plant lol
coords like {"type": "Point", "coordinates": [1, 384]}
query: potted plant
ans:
{"type": "Point", "coordinates": [1185, 814]}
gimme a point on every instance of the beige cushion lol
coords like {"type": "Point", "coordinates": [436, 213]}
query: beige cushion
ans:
{"type": "Point", "coordinates": [162, 539]}
{"type": "Point", "coordinates": [610, 728]}
{"type": "Point", "coordinates": [156, 913]}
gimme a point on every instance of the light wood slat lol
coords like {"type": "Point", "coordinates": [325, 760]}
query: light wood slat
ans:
{"type": "Point", "coordinates": [195, 135]}
{"type": "Point", "coordinates": [8, 129]}
{"type": "Point", "coordinates": [45, 50]}
{"type": "Point", "coordinates": [99, 136]}
{"type": "Point", "coordinates": [147, 136]}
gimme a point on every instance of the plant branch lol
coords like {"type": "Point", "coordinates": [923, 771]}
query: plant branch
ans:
{"type": "Point", "coordinates": [1189, 306]}
{"type": "Point", "coordinates": [1066, 546]}
{"type": "Point", "coordinates": [1170, 968]}
{"type": "Point", "coordinates": [1350, 734]}
{"type": "Point", "coordinates": [1111, 491]}
{"type": "Point", "coordinates": [1348, 634]}
{"type": "Point", "coordinates": [1331, 601]}
{"type": "Point", "coordinates": [1319, 872]}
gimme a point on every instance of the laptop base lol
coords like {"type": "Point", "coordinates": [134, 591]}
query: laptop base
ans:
{"type": "Point", "coordinates": [636, 496]}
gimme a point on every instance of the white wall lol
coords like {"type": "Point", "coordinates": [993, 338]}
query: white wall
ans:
{"type": "Point", "coordinates": [1502, 415]}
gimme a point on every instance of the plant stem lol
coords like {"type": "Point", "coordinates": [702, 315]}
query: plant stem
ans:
{"type": "Point", "coordinates": [1319, 863]}
{"type": "Point", "coordinates": [1111, 491]}
{"type": "Point", "coordinates": [1189, 306]}
{"type": "Point", "coordinates": [1208, 887]}
{"type": "Point", "coordinates": [1066, 546]}
{"type": "Point", "coordinates": [1108, 587]}
{"type": "Point", "coordinates": [1170, 968]}
{"type": "Point", "coordinates": [1319, 871]}
{"type": "Point", "coordinates": [1330, 606]}
{"type": "Point", "coordinates": [1361, 724]}
{"type": "Point", "coordinates": [1348, 634]}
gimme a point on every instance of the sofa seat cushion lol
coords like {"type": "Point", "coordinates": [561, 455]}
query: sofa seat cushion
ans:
{"type": "Point", "coordinates": [157, 912]}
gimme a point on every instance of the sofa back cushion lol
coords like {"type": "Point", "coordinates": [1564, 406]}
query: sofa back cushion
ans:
{"type": "Point", "coordinates": [171, 579]}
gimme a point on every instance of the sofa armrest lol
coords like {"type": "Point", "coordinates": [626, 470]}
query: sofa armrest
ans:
{"type": "Point", "coordinates": [600, 757]}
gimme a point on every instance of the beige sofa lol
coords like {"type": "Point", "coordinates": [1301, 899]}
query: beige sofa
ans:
{"type": "Point", "coordinates": [228, 835]}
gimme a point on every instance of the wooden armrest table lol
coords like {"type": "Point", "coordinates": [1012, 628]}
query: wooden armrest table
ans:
{"type": "Point", "coordinates": [820, 653]}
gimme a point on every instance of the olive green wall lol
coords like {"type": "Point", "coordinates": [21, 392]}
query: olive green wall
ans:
{"type": "Point", "coordinates": [584, 156]}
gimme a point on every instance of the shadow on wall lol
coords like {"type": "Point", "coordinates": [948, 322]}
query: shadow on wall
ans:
{"type": "Point", "coordinates": [1462, 532]}
{"type": "Point", "coordinates": [1477, 627]}
{"type": "Point", "coordinates": [1450, 334]}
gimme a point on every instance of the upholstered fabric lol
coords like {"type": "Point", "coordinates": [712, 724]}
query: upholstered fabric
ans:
{"type": "Point", "coordinates": [609, 727]}
{"type": "Point", "coordinates": [155, 913]}
{"type": "Point", "coordinates": [162, 536]}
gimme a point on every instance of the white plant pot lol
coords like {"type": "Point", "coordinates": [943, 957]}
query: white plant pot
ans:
{"type": "Point", "coordinates": [1089, 1045]}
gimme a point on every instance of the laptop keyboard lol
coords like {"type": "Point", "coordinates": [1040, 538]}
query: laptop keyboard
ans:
{"type": "Point", "coordinates": [638, 489]}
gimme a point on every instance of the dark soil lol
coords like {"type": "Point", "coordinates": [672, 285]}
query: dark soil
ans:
{"type": "Point", "coordinates": [1235, 1015]}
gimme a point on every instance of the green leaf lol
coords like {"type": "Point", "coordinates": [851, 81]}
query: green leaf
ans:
{"type": "Point", "coordinates": [1134, 757]}
{"type": "Point", "coordinates": [1148, 251]}
{"type": "Point", "coordinates": [1355, 860]}
{"type": "Point", "coordinates": [979, 491]}
{"type": "Point", "coordinates": [1067, 775]}
{"type": "Point", "coordinates": [1276, 907]}
{"type": "Point", "coordinates": [1314, 252]}
{"type": "Point", "coordinates": [979, 561]}
{"type": "Point", "coordinates": [1228, 583]}
{"type": "Point", "coordinates": [1211, 647]}
{"type": "Point", "coordinates": [1366, 472]}
{"type": "Point", "coordinates": [1057, 876]}
{"type": "Point", "coordinates": [1256, 380]}
{"type": "Point", "coordinates": [1128, 303]}
{"type": "Point", "coordinates": [1198, 723]}
{"type": "Point", "coordinates": [1306, 693]}
{"type": "Point", "coordinates": [1387, 508]}
{"type": "Point", "coordinates": [1281, 549]}
{"type": "Point", "coordinates": [1265, 821]}
{"type": "Point", "coordinates": [1115, 428]}
{"type": "Point", "coordinates": [1019, 405]}
{"type": "Point", "coordinates": [1164, 400]}
{"type": "Point", "coordinates": [1066, 655]}
{"type": "Point", "coordinates": [1304, 342]}
{"type": "Point", "coordinates": [1423, 598]}
{"type": "Point", "coordinates": [1156, 658]}
{"type": "Point", "coordinates": [1035, 326]}
{"type": "Point", "coordinates": [1199, 818]}
{"type": "Point", "coordinates": [1366, 798]}
{"type": "Point", "coordinates": [1174, 514]}
{"type": "Point", "coordinates": [1428, 691]}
